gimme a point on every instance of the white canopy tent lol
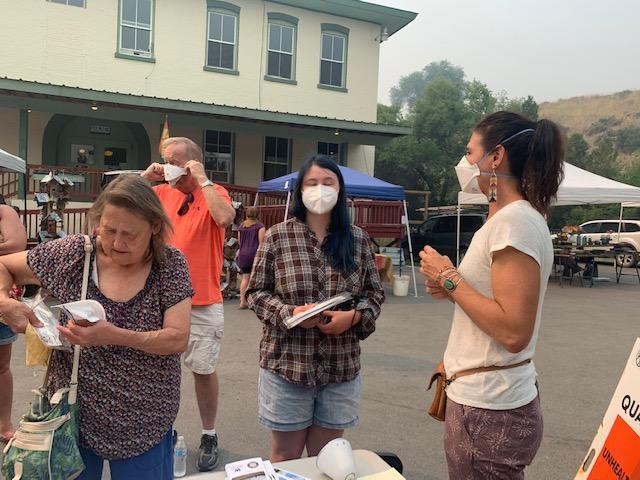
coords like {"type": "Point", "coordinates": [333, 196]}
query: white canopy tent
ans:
{"type": "Point", "coordinates": [13, 163]}
{"type": "Point", "coordinates": [579, 187]}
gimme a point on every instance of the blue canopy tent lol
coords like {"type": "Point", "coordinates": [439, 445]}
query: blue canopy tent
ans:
{"type": "Point", "coordinates": [358, 185]}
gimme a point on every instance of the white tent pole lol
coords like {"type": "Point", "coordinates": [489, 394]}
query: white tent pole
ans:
{"type": "Point", "coordinates": [413, 267]}
{"type": "Point", "coordinates": [458, 236]}
{"type": "Point", "coordinates": [620, 222]}
{"type": "Point", "coordinates": [286, 209]}
{"type": "Point", "coordinates": [255, 200]}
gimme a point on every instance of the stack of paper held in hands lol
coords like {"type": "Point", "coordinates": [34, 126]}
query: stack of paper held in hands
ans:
{"type": "Point", "coordinates": [89, 310]}
{"type": "Point", "coordinates": [318, 309]}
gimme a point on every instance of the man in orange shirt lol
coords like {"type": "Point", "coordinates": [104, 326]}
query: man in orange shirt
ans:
{"type": "Point", "coordinates": [199, 211]}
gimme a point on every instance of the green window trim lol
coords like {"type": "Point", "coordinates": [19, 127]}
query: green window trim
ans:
{"type": "Point", "coordinates": [126, 53]}
{"type": "Point", "coordinates": [139, 58]}
{"type": "Point", "coordinates": [335, 89]}
{"type": "Point", "coordinates": [284, 20]}
{"type": "Point", "coordinates": [219, 5]}
{"type": "Point", "coordinates": [332, 27]}
{"type": "Point", "coordinates": [207, 68]}
{"type": "Point", "coordinates": [269, 78]}
{"type": "Point", "coordinates": [224, 8]}
{"type": "Point", "coordinates": [282, 17]}
{"type": "Point", "coordinates": [333, 32]}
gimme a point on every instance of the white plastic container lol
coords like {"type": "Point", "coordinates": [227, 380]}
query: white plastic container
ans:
{"type": "Point", "coordinates": [180, 458]}
{"type": "Point", "coordinates": [401, 285]}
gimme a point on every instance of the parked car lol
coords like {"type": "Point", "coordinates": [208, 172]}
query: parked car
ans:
{"type": "Point", "coordinates": [629, 236]}
{"type": "Point", "coordinates": [439, 232]}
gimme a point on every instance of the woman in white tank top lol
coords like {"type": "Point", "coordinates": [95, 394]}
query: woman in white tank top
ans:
{"type": "Point", "coordinates": [493, 423]}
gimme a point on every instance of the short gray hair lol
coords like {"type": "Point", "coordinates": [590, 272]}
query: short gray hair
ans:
{"type": "Point", "coordinates": [193, 149]}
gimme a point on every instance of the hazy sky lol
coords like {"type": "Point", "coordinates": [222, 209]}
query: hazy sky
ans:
{"type": "Point", "coordinates": [546, 48]}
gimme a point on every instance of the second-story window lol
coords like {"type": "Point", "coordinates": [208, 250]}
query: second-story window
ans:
{"type": "Point", "coordinates": [222, 36]}
{"type": "Point", "coordinates": [333, 56]}
{"type": "Point", "coordinates": [136, 27]}
{"type": "Point", "coordinates": [75, 3]}
{"type": "Point", "coordinates": [281, 49]}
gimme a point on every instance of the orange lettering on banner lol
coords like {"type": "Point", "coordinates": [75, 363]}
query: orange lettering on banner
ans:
{"type": "Point", "coordinates": [619, 458]}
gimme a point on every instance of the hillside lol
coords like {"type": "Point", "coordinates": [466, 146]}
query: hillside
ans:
{"type": "Point", "coordinates": [616, 116]}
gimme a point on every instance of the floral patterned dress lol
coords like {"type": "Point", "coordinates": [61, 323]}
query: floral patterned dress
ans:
{"type": "Point", "coordinates": [127, 399]}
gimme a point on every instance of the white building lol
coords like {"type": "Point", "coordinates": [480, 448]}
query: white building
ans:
{"type": "Point", "coordinates": [259, 84]}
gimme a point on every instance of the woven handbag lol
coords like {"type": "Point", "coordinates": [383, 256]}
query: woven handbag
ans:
{"type": "Point", "coordinates": [45, 446]}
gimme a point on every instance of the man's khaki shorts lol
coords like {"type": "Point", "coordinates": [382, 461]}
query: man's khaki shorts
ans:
{"type": "Point", "coordinates": [207, 330]}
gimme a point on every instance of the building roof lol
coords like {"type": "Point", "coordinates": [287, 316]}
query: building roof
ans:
{"type": "Point", "coordinates": [392, 18]}
{"type": "Point", "coordinates": [105, 98]}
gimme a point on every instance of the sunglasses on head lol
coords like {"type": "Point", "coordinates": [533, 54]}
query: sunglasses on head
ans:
{"type": "Point", "coordinates": [184, 208]}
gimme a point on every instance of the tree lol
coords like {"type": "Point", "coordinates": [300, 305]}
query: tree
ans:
{"type": "Point", "coordinates": [529, 108]}
{"type": "Point", "coordinates": [524, 106]}
{"type": "Point", "coordinates": [576, 152]}
{"type": "Point", "coordinates": [479, 99]}
{"type": "Point", "coordinates": [390, 115]}
{"type": "Point", "coordinates": [632, 172]}
{"type": "Point", "coordinates": [442, 116]}
{"type": "Point", "coordinates": [410, 87]}
{"type": "Point", "coordinates": [603, 159]}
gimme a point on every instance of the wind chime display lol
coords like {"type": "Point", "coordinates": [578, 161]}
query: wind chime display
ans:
{"type": "Point", "coordinates": [52, 200]}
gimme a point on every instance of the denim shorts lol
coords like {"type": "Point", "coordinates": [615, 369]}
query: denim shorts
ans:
{"type": "Point", "coordinates": [286, 407]}
{"type": "Point", "coordinates": [6, 335]}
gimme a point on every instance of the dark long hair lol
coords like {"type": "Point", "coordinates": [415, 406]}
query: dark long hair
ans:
{"type": "Point", "coordinates": [534, 157]}
{"type": "Point", "coordinates": [338, 246]}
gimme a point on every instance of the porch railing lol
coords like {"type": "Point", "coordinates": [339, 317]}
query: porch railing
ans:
{"type": "Point", "coordinates": [74, 221]}
{"type": "Point", "coordinates": [381, 219]}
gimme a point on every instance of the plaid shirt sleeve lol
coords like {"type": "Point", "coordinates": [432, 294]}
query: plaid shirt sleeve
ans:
{"type": "Point", "coordinates": [268, 306]}
{"type": "Point", "coordinates": [372, 296]}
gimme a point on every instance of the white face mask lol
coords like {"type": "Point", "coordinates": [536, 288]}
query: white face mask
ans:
{"type": "Point", "coordinates": [319, 199]}
{"type": "Point", "coordinates": [172, 173]}
{"type": "Point", "coordinates": [468, 174]}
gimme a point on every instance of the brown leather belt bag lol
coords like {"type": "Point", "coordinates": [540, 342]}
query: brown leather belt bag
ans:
{"type": "Point", "coordinates": [438, 406]}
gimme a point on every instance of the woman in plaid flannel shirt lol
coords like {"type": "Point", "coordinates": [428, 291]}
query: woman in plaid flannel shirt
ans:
{"type": "Point", "coordinates": [310, 384]}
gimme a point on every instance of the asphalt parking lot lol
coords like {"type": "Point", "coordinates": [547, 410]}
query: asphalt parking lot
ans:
{"type": "Point", "coordinates": [586, 336]}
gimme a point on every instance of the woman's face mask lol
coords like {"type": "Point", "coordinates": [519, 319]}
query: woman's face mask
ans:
{"type": "Point", "coordinates": [319, 199]}
{"type": "Point", "coordinates": [468, 174]}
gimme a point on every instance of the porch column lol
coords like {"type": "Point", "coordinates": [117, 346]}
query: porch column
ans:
{"type": "Point", "coordinates": [23, 143]}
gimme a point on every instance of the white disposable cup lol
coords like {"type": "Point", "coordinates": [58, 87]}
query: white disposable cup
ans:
{"type": "Point", "coordinates": [336, 460]}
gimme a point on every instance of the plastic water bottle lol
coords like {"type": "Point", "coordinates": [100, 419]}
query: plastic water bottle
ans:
{"type": "Point", "coordinates": [180, 458]}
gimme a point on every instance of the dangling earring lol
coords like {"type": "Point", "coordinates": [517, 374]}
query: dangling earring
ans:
{"type": "Point", "coordinates": [493, 185]}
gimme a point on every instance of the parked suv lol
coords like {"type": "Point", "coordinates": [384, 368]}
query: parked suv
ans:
{"type": "Point", "coordinates": [439, 232]}
{"type": "Point", "coordinates": [629, 236]}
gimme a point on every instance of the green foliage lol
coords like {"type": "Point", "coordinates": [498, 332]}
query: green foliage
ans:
{"type": "Point", "coordinates": [602, 125]}
{"type": "Point", "coordinates": [577, 150]}
{"type": "Point", "coordinates": [524, 106]}
{"type": "Point", "coordinates": [627, 140]}
{"type": "Point", "coordinates": [561, 216]}
{"type": "Point", "coordinates": [603, 159]}
{"type": "Point", "coordinates": [631, 173]}
{"type": "Point", "coordinates": [442, 109]}
{"type": "Point", "coordinates": [409, 90]}
{"type": "Point", "coordinates": [479, 100]}
{"type": "Point", "coordinates": [390, 115]}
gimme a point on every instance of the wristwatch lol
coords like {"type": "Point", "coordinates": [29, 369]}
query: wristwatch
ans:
{"type": "Point", "coordinates": [450, 285]}
{"type": "Point", "coordinates": [206, 183]}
